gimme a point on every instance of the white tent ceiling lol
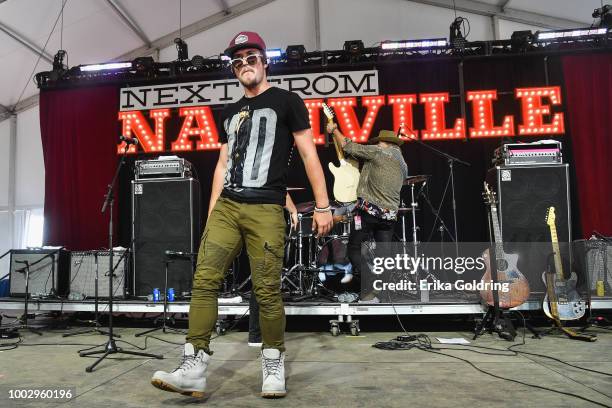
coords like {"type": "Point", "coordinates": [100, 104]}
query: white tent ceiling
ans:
{"type": "Point", "coordinates": [103, 30]}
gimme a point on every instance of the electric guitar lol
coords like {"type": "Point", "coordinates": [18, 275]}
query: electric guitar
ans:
{"type": "Point", "coordinates": [562, 301]}
{"type": "Point", "coordinates": [346, 176]}
{"type": "Point", "coordinates": [506, 264]}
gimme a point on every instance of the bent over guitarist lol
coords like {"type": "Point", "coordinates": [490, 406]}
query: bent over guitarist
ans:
{"type": "Point", "coordinates": [378, 192]}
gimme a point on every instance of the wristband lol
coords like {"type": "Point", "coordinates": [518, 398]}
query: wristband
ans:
{"type": "Point", "coordinates": [322, 210]}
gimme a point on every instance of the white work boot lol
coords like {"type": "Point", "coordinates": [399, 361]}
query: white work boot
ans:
{"type": "Point", "coordinates": [273, 369]}
{"type": "Point", "coordinates": [189, 378]}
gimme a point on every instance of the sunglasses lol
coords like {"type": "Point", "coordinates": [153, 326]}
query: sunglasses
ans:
{"type": "Point", "coordinates": [251, 59]}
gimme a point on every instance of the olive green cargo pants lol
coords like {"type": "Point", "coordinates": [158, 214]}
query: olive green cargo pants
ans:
{"type": "Point", "coordinates": [230, 225]}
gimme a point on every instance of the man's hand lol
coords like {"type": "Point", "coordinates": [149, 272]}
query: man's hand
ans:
{"type": "Point", "coordinates": [331, 126]}
{"type": "Point", "coordinates": [294, 219]}
{"type": "Point", "coordinates": [322, 223]}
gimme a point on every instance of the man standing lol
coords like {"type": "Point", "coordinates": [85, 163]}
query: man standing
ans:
{"type": "Point", "coordinates": [378, 193]}
{"type": "Point", "coordinates": [247, 197]}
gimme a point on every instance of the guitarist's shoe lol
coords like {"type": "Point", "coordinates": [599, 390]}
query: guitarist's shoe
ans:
{"type": "Point", "coordinates": [369, 298]}
{"type": "Point", "coordinates": [347, 278]}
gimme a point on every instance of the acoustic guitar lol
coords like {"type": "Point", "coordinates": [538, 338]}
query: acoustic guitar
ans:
{"type": "Point", "coordinates": [506, 264]}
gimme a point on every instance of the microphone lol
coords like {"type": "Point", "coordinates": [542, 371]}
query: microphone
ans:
{"type": "Point", "coordinates": [128, 140]}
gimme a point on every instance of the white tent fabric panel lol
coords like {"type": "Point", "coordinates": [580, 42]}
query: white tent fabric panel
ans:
{"type": "Point", "coordinates": [373, 22]}
{"type": "Point", "coordinates": [157, 18]}
{"type": "Point", "coordinates": [30, 169]}
{"type": "Point", "coordinates": [280, 23]}
{"type": "Point", "coordinates": [578, 10]}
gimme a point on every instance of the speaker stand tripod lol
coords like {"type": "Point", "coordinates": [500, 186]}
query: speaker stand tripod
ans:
{"type": "Point", "coordinates": [111, 347]}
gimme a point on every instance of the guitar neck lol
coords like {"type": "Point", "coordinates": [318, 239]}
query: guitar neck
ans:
{"type": "Point", "coordinates": [499, 247]}
{"type": "Point", "coordinates": [339, 151]}
{"type": "Point", "coordinates": [557, 253]}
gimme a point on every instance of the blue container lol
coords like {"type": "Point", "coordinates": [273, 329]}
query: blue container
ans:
{"type": "Point", "coordinates": [4, 288]}
{"type": "Point", "coordinates": [170, 294]}
{"type": "Point", "coordinates": [156, 295]}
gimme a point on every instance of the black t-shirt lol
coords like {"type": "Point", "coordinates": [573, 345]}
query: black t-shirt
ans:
{"type": "Point", "coordinates": [259, 136]}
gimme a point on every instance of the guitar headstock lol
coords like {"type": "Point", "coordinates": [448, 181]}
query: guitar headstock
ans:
{"type": "Point", "coordinates": [329, 113]}
{"type": "Point", "coordinates": [489, 195]}
{"type": "Point", "coordinates": [550, 217]}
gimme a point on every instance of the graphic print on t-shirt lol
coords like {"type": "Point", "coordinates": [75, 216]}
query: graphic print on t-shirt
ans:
{"type": "Point", "coordinates": [251, 136]}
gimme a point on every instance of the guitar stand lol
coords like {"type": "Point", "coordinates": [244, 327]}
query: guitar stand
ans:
{"type": "Point", "coordinates": [497, 321]}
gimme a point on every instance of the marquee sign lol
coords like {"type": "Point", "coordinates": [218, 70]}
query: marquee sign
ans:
{"type": "Point", "coordinates": [319, 85]}
{"type": "Point", "coordinates": [344, 92]}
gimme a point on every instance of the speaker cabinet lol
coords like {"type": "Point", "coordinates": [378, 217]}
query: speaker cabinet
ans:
{"type": "Point", "coordinates": [48, 272]}
{"type": "Point", "coordinates": [525, 193]}
{"type": "Point", "coordinates": [165, 216]}
{"type": "Point", "coordinates": [83, 268]}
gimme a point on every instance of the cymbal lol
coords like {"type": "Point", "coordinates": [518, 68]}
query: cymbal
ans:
{"type": "Point", "coordinates": [416, 179]}
{"type": "Point", "coordinates": [305, 207]}
{"type": "Point", "coordinates": [296, 188]}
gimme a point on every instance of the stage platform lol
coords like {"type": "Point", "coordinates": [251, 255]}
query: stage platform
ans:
{"type": "Point", "coordinates": [340, 372]}
{"type": "Point", "coordinates": [324, 308]}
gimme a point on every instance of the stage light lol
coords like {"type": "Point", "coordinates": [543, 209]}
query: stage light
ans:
{"type": "Point", "coordinates": [353, 47]}
{"type": "Point", "coordinates": [457, 39]}
{"type": "Point", "coordinates": [181, 48]}
{"type": "Point", "coordinates": [58, 60]}
{"type": "Point", "coordinates": [520, 40]}
{"type": "Point", "coordinates": [295, 52]}
{"type": "Point", "coordinates": [142, 64]}
{"type": "Point", "coordinates": [274, 53]}
{"type": "Point", "coordinates": [197, 61]}
{"type": "Point", "coordinates": [105, 67]}
{"type": "Point", "coordinates": [414, 44]}
{"type": "Point", "coordinates": [604, 14]}
{"type": "Point", "coordinates": [570, 35]}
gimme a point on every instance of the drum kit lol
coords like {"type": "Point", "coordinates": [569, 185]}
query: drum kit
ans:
{"type": "Point", "coordinates": [307, 256]}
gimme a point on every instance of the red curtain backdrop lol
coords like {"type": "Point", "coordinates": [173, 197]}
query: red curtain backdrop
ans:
{"type": "Point", "coordinates": [588, 84]}
{"type": "Point", "coordinates": [79, 131]}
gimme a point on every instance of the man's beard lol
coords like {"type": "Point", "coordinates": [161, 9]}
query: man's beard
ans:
{"type": "Point", "coordinates": [251, 83]}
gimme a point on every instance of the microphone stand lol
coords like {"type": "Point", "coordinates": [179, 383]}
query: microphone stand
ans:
{"type": "Point", "coordinates": [24, 319]}
{"type": "Point", "coordinates": [111, 346]}
{"type": "Point", "coordinates": [451, 162]}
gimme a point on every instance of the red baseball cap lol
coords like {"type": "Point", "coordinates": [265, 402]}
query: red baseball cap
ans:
{"type": "Point", "coordinates": [245, 39]}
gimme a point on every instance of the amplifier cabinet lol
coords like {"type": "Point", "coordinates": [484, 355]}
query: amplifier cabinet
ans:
{"type": "Point", "coordinates": [48, 272]}
{"type": "Point", "coordinates": [83, 268]}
